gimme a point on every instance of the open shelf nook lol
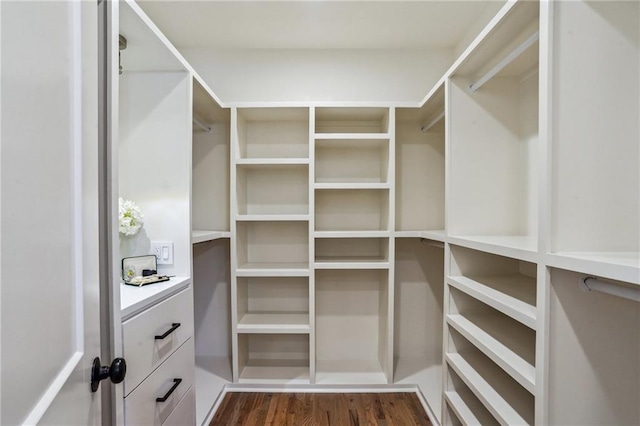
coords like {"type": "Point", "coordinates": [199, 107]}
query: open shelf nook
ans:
{"type": "Point", "coordinates": [270, 133]}
{"type": "Point", "coordinates": [595, 127]}
{"type": "Point", "coordinates": [352, 210]}
{"type": "Point", "coordinates": [420, 157]}
{"type": "Point", "coordinates": [418, 310]}
{"type": "Point", "coordinates": [210, 174]}
{"type": "Point", "coordinates": [272, 246]}
{"type": "Point", "coordinates": [493, 136]}
{"type": "Point", "coordinates": [364, 161]}
{"type": "Point", "coordinates": [507, 285]}
{"type": "Point", "coordinates": [352, 327]}
{"type": "Point", "coordinates": [272, 190]}
{"type": "Point", "coordinates": [352, 253]}
{"type": "Point", "coordinates": [351, 120]}
{"type": "Point", "coordinates": [273, 305]}
{"type": "Point", "coordinates": [273, 358]}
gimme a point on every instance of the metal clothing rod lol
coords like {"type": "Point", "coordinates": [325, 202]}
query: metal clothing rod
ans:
{"type": "Point", "coordinates": [201, 125]}
{"type": "Point", "coordinates": [432, 123]}
{"type": "Point", "coordinates": [506, 61]}
{"type": "Point", "coordinates": [594, 284]}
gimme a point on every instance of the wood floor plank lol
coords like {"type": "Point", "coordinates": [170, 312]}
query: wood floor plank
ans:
{"type": "Point", "coordinates": [320, 409]}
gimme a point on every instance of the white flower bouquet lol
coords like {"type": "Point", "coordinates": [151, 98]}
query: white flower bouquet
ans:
{"type": "Point", "coordinates": [129, 217]}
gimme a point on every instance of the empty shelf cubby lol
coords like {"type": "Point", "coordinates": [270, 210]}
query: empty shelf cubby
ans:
{"type": "Point", "coordinates": [273, 358]}
{"type": "Point", "coordinates": [280, 247]}
{"type": "Point", "coordinates": [352, 120]}
{"type": "Point", "coordinates": [345, 253]}
{"type": "Point", "coordinates": [267, 133]}
{"type": "Point", "coordinates": [352, 210]}
{"type": "Point", "coordinates": [362, 161]}
{"type": "Point", "coordinates": [272, 190]}
{"type": "Point", "coordinates": [273, 304]}
{"type": "Point", "coordinates": [352, 334]}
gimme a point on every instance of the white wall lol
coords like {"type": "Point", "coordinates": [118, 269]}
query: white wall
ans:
{"type": "Point", "coordinates": [319, 75]}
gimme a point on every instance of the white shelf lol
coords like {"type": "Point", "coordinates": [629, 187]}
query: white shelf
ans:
{"type": "Point", "coordinates": [272, 217]}
{"type": "Point", "coordinates": [201, 236]}
{"type": "Point", "coordinates": [272, 322]}
{"type": "Point", "coordinates": [350, 185]}
{"type": "Point", "coordinates": [348, 120]}
{"type": "Point", "coordinates": [622, 266]}
{"type": "Point", "coordinates": [518, 247]}
{"type": "Point", "coordinates": [268, 133]}
{"type": "Point", "coordinates": [435, 235]}
{"type": "Point", "coordinates": [505, 345]}
{"type": "Point", "coordinates": [498, 395]}
{"type": "Point", "coordinates": [420, 158]}
{"type": "Point", "coordinates": [275, 371]}
{"type": "Point", "coordinates": [513, 295]}
{"type": "Point", "coordinates": [468, 410]}
{"type": "Point", "coordinates": [351, 263]}
{"type": "Point", "coordinates": [352, 253]}
{"type": "Point", "coordinates": [352, 161]}
{"type": "Point", "coordinates": [352, 210]}
{"type": "Point", "coordinates": [351, 136]}
{"type": "Point", "coordinates": [271, 161]}
{"type": "Point", "coordinates": [255, 269]}
{"type": "Point", "coordinates": [350, 372]}
{"type": "Point", "coordinates": [352, 234]}
{"type": "Point", "coordinates": [134, 299]}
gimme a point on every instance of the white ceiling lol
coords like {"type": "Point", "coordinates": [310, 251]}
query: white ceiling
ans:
{"type": "Point", "coordinates": [309, 24]}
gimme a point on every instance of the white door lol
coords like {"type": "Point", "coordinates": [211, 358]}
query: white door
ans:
{"type": "Point", "coordinates": [49, 212]}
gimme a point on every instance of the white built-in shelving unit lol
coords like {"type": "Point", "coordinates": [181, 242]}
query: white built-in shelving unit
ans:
{"type": "Point", "coordinates": [490, 313]}
{"type": "Point", "coordinates": [437, 247]}
{"type": "Point", "coordinates": [353, 245]}
{"type": "Point", "coordinates": [271, 289]}
{"type": "Point", "coordinates": [490, 301]}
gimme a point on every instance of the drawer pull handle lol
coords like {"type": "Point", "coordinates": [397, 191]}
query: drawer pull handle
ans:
{"type": "Point", "coordinates": [169, 331]}
{"type": "Point", "coordinates": [176, 383]}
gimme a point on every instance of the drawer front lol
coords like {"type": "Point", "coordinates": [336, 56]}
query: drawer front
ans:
{"type": "Point", "coordinates": [142, 350]}
{"type": "Point", "coordinates": [141, 407]}
{"type": "Point", "coordinates": [185, 413]}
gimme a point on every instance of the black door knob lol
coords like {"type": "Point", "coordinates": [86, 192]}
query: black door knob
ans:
{"type": "Point", "coordinates": [116, 372]}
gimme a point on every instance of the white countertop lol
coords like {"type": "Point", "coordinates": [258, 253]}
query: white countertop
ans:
{"type": "Point", "coordinates": [134, 299]}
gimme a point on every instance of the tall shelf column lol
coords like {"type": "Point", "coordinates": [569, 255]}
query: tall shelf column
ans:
{"type": "Point", "coordinates": [353, 184]}
{"type": "Point", "coordinates": [270, 291]}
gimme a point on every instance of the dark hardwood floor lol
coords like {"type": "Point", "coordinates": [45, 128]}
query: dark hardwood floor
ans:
{"type": "Point", "coordinates": [320, 409]}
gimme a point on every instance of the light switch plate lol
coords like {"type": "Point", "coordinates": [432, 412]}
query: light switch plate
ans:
{"type": "Point", "coordinates": [163, 251]}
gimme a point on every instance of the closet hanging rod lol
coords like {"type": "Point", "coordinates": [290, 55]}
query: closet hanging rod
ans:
{"type": "Point", "coordinates": [201, 125]}
{"type": "Point", "coordinates": [432, 123]}
{"type": "Point", "coordinates": [504, 62]}
{"type": "Point", "coordinates": [594, 284]}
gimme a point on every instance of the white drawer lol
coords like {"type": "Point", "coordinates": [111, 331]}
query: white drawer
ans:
{"type": "Point", "coordinates": [141, 407]}
{"type": "Point", "coordinates": [142, 350]}
{"type": "Point", "coordinates": [185, 413]}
